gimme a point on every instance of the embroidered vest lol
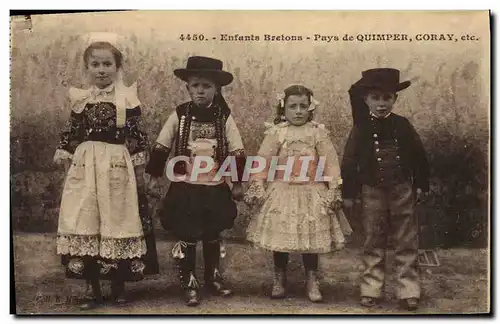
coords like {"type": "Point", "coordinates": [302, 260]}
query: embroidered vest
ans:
{"type": "Point", "coordinates": [189, 113]}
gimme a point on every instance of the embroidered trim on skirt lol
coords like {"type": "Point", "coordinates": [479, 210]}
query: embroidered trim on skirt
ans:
{"type": "Point", "coordinates": [293, 219]}
{"type": "Point", "coordinates": [87, 267]}
{"type": "Point", "coordinates": [193, 211]}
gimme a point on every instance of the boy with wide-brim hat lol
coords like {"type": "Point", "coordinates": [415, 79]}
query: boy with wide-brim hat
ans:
{"type": "Point", "coordinates": [199, 65]}
{"type": "Point", "coordinates": [199, 208]}
{"type": "Point", "coordinates": [385, 165]}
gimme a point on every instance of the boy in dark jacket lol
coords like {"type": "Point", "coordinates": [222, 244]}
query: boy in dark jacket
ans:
{"type": "Point", "coordinates": [385, 165]}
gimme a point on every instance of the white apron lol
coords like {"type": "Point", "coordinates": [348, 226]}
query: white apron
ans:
{"type": "Point", "coordinates": [99, 213]}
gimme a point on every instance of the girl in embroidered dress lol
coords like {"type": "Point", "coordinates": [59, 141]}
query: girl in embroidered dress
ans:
{"type": "Point", "coordinates": [199, 208]}
{"type": "Point", "coordinates": [299, 212]}
{"type": "Point", "coordinates": [103, 231]}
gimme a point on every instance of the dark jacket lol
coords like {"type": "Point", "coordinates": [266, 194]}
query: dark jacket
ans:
{"type": "Point", "coordinates": [359, 164]}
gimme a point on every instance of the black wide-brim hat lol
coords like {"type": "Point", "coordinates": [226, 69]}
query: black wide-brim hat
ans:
{"type": "Point", "coordinates": [205, 66]}
{"type": "Point", "coordinates": [385, 79]}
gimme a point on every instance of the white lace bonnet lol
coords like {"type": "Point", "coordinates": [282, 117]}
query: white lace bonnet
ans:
{"type": "Point", "coordinates": [125, 97]}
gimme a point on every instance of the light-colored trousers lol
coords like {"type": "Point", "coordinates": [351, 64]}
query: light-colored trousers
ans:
{"type": "Point", "coordinates": [390, 213]}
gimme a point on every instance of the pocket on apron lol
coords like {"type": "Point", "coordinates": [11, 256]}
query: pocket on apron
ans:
{"type": "Point", "coordinates": [118, 174]}
{"type": "Point", "coordinates": [76, 174]}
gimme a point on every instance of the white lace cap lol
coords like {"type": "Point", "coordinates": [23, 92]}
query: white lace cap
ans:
{"type": "Point", "coordinates": [122, 93]}
{"type": "Point", "coordinates": [119, 42]}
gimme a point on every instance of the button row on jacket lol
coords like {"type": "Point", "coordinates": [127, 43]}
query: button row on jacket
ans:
{"type": "Point", "coordinates": [380, 159]}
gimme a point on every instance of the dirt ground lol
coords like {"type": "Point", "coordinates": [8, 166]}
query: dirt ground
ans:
{"type": "Point", "coordinates": [459, 285]}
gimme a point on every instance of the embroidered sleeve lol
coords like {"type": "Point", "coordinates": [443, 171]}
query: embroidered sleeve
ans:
{"type": "Point", "coordinates": [161, 149]}
{"type": "Point", "coordinates": [71, 136]}
{"type": "Point", "coordinates": [137, 140]}
{"type": "Point", "coordinates": [326, 150]}
{"type": "Point", "coordinates": [235, 146]}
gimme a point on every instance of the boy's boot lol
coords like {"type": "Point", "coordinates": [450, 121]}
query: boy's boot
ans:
{"type": "Point", "coordinates": [213, 278]}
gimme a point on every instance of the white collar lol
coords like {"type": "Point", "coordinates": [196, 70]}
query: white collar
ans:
{"type": "Point", "coordinates": [373, 115]}
{"type": "Point", "coordinates": [108, 89]}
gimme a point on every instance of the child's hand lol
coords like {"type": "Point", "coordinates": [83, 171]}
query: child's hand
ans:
{"type": "Point", "coordinates": [237, 191]}
{"type": "Point", "coordinates": [255, 194]}
{"type": "Point", "coordinates": [333, 199]}
{"type": "Point", "coordinates": [153, 187]}
{"type": "Point", "coordinates": [348, 203]}
{"type": "Point", "coordinates": [420, 195]}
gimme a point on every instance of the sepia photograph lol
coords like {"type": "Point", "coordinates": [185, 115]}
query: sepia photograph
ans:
{"type": "Point", "coordinates": [251, 162]}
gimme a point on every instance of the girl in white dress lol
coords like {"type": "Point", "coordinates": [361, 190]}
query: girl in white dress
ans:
{"type": "Point", "coordinates": [297, 214]}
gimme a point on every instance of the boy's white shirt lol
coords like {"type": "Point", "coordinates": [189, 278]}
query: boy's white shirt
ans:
{"type": "Point", "coordinates": [384, 117]}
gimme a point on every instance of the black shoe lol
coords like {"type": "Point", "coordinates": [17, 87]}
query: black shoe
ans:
{"type": "Point", "coordinates": [215, 284]}
{"type": "Point", "coordinates": [410, 304]}
{"type": "Point", "coordinates": [90, 304]}
{"type": "Point", "coordinates": [192, 297]}
{"type": "Point", "coordinates": [191, 290]}
{"type": "Point", "coordinates": [118, 293]}
{"type": "Point", "coordinates": [368, 301]}
{"type": "Point", "coordinates": [94, 298]}
{"type": "Point", "coordinates": [218, 289]}
{"type": "Point", "coordinates": [120, 300]}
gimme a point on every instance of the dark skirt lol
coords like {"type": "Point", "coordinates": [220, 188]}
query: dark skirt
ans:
{"type": "Point", "coordinates": [194, 212]}
{"type": "Point", "coordinates": [92, 265]}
